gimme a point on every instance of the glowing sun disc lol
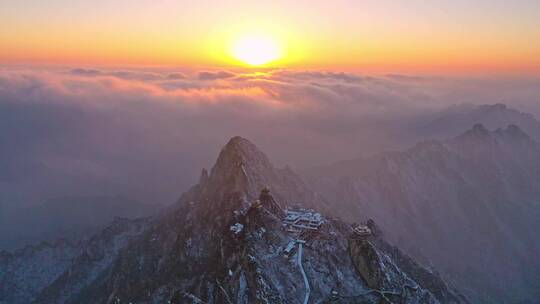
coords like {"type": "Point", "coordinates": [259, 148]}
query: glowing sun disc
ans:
{"type": "Point", "coordinates": [256, 50]}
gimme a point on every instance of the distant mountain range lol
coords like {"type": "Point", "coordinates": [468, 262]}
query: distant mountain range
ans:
{"type": "Point", "coordinates": [469, 205]}
{"type": "Point", "coordinates": [453, 120]}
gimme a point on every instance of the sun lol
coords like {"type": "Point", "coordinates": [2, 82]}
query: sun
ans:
{"type": "Point", "coordinates": [256, 50]}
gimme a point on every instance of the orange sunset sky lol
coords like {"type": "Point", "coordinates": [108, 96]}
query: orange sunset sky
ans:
{"type": "Point", "coordinates": [410, 35]}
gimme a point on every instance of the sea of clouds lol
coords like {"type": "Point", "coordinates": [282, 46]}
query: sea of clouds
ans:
{"type": "Point", "coordinates": [146, 133]}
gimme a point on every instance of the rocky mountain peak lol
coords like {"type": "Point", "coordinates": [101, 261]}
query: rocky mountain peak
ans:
{"type": "Point", "coordinates": [203, 179]}
{"type": "Point", "coordinates": [478, 133]}
{"type": "Point", "coordinates": [516, 132]}
{"type": "Point", "coordinates": [492, 116]}
{"type": "Point", "coordinates": [239, 149]}
{"type": "Point", "coordinates": [479, 129]}
{"type": "Point", "coordinates": [241, 167]}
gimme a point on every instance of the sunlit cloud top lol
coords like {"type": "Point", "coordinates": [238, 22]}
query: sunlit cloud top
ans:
{"type": "Point", "coordinates": [415, 35]}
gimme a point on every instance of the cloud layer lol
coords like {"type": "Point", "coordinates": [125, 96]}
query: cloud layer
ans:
{"type": "Point", "coordinates": [147, 133]}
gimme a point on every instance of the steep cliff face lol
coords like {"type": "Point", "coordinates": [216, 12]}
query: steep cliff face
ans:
{"type": "Point", "coordinates": [225, 241]}
{"type": "Point", "coordinates": [469, 206]}
{"type": "Point", "coordinates": [367, 261]}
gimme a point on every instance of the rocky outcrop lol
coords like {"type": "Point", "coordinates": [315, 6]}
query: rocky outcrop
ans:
{"type": "Point", "coordinates": [267, 201]}
{"type": "Point", "coordinates": [367, 262]}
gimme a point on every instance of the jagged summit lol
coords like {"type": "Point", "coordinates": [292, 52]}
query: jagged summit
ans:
{"type": "Point", "coordinates": [239, 149]}
{"type": "Point", "coordinates": [243, 170]}
{"type": "Point", "coordinates": [513, 131]}
{"type": "Point", "coordinates": [235, 181]}
{"type": "Point", "coordinates": [479, 131]}
{"type": "Point", "coordinates": [478, 136]}
{"type": "Point", "coordinates": [241, 167]}
{"type": "Point", "coordinates": [449, 122]}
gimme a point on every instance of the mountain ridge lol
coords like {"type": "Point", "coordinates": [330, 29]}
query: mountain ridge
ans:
{"type": "Point", "coordinates": [472, 196]}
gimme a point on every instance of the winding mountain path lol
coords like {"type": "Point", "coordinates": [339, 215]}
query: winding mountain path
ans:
{"type": "Point", "coordinates": [306, 282]}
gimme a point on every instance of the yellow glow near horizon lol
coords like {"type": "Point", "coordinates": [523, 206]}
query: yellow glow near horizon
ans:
{"type": "Point", "coordinates": [417, 36]}
{"type": "Point", "coordinates": [256, 50]}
